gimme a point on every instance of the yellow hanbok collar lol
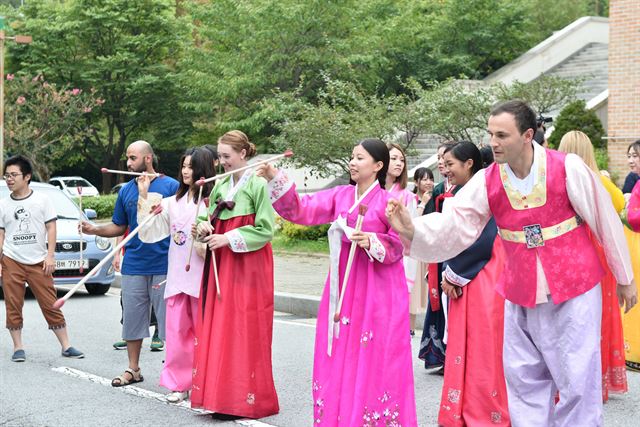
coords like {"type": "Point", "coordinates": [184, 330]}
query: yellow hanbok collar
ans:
{"type": "Point", "coordinates": [538, 196]}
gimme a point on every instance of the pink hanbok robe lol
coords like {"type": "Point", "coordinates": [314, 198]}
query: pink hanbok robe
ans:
{"type": "Point", "coordinates": [410, 200]}
{"type": "Point", "coordinates": [182, 289]}
{"type": "Point", "coordinates": [362, 372]}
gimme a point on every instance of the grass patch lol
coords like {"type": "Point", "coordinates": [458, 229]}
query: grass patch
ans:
{"type": "Point", "coordinates": [286, 244]}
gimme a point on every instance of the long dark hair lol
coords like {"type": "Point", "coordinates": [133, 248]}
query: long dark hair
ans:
{"type": "Point", "coordinates": [201, 165]}
{"type": "Point", "coordinates": [419, 174]}
{"type": "Point", "coordinates": [403, 179]}
{"type": "Point", "coordinates": [380, 153]}
{"type": "Point", "coordinates": [465, 150]}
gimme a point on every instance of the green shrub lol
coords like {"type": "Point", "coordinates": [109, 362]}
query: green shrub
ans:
{"type": "Point", "coordinates": [302, 232]}
{"type": "Point", "coordinates": [602, 158]}
{"type": "Point", "coordinates": [576, 116]}
{"type": "Point", "coordinates": [103, 205]}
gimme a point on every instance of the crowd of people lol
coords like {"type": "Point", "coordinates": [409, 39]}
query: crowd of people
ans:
{"type": "Point", "coordinates": [522, 257]}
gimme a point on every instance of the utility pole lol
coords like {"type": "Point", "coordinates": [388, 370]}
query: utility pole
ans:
{"type": "Point", "coordinates": [20, 40]}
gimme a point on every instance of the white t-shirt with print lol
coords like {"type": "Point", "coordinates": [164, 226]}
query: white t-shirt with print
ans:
{"type": "Point", "coordinates": [25, 232]}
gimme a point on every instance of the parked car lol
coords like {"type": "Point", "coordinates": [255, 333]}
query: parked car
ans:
{"type": "Point", "coordinates": [70, 184]}
{"type": "Point", "coordinates": [116, 188]}
{"type": "Point", "coordinates": [67, 254]}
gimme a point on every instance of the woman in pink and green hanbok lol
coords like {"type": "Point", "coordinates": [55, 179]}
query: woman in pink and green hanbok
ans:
{"type": "Point", "coordinates": [362, 373]}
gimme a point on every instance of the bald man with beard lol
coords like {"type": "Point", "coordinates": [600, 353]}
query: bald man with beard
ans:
{"type": "Point", "coordinates": [145, 264]}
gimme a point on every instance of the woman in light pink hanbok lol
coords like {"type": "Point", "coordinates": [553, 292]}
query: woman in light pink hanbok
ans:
{"type": "Point", "coordinates": [182, 289]}
{"type": "Point", "coordinates": [396, 185]}
{"type": "Point", "coordinates": [362, 372]}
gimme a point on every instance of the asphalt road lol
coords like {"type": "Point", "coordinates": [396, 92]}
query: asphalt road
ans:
{"type": "Point", "coordinates": [48, 390]}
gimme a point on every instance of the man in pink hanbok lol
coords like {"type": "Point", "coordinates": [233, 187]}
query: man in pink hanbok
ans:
{"type": "Point", "coordinates": [362, 370]}
{"type": "Point", "coordinates": [542, 201]}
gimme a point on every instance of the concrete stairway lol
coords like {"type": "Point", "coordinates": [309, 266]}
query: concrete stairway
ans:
{"type": "Point", "coordinates": [590, 63]}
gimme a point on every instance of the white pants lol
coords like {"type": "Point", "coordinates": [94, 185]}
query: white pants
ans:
{"type": "Point", "coordinates": [553, 348]}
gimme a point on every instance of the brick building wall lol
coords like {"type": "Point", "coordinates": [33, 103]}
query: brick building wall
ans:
{"type": "Point", "coordinates": [624, 82]}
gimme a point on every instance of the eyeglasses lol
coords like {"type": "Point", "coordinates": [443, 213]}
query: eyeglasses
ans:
{"type": "Point", "coordinates": [11, 175]}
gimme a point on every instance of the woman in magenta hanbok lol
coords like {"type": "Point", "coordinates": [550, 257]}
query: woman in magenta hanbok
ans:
{"type": "Point", "coordinates": [474, 391]}
{"type": "Point", "coordinates": [362, 374]}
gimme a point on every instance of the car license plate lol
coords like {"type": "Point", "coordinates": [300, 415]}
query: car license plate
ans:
{"type": "Point", "coordinates": [71, 264]}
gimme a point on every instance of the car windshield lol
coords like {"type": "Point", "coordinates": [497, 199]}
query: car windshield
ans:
{"type": "Point", "coordinates": [65, 208]}
{"type": "Point", "coordinates": [76, 183]}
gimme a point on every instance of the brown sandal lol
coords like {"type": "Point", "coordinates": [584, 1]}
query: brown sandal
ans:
{"type": "Point", "coordinates": [120, 380]}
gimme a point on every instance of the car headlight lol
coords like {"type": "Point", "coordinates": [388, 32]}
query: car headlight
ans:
{"type": "Point", "coordinates": [102, 243]}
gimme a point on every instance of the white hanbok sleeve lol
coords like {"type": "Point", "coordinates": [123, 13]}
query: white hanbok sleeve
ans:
{"type": "Point", "coordinates": [158, 228]}
{"type": "Point", "coordinates": [593, 203]}
{"type": "Point", "coordinates": [441, 236]}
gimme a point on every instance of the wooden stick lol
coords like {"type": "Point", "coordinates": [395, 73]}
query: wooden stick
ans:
{"type": "Point", "coordinates": [215, 272]}
{"type": "Point", "coordinates": [80, 231]}
{"type": "Point", "coordinates": [60, 302]}
{"type": "Point", "coordinates": [193, 240]}
{"type": "Point", "coordinates": [362, 210]}
{"type": "Point", "coordinates": [105, 170]}
{"type": "Point", "coordinates": [287, 153]}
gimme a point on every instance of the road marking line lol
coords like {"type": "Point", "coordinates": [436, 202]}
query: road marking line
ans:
{"type": "Point", "coordinates": [293, 322]}
{"type": "Point", "coordinates": [140, 392]}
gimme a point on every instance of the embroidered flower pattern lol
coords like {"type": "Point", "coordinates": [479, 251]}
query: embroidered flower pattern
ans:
{"type": "Point", "coordinates": [180, 238]}
{"type": "Point", "coordinates": [377, 249]}
{"type": "Point", "coordinates": [251, 398]}
{"type": "Point", "coordinates": [278, 186]}
{"type": "Point", "coordinates": [366, 338]}
{"type": "Point", "coordinates": [236, 241]}
{"type": "Point", "coordinates": [453, 395]}
{"type": "Point", "coordinates": [345, 320]}
{"type": "Point", "coordinates": [318, 408]}
{"type": "Point", "coordinates": [390, 417]}
{"type": "Point", "coordinates": [496, 417]}
{"type": "Point", "coordinates": [458, 360]}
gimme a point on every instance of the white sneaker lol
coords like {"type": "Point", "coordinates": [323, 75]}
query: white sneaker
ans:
{"type": "Point", "coordinates": [177, 396]}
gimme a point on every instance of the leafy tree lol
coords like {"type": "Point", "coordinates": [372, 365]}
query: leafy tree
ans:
{"type": "Point", "coordinates": [45, 122]}
{"type": "Point", "coordinates": [324, 135]}
{"type": "Point", "coordinates": [123, 50]}
{"type": "Point", "coordinates": [576, 116]}
{"type": "Point", "coordinates": [247, 51]}
{"type": "Point", "coordinates": [544, 95]}
{"type": "Point", "coordinates": [454, 109]}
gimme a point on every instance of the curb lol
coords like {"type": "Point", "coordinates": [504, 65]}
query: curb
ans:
{"type": "Point", "coordinates": [297, 304]}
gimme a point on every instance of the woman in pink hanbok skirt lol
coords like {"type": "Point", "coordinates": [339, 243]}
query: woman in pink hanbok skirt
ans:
{"type": "Point", "coordinates": [362, 373]}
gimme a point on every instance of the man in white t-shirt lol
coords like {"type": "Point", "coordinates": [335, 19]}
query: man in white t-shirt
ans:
{"type": "Point", "coordinates": [27, 245]}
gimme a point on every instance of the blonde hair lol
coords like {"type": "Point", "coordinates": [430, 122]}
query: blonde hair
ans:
{"type": "Point", "coordinates": [239, 141]}
{"type": "Point", "coordinates": [577, 142]}
{"type": "Point", "coordinates": [403, 178]}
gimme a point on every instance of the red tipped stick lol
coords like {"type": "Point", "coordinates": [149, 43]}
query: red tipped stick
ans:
{"type": "Point", "coordinates": [193, 240]}
{"type": "Point", "coordinates": [362, 210]}
{"type": "Point", "coordinates": [115, 171]}
{"type": "Point", "coordinates": [287, 153]}
{"type": "Point", "coordinates": [60, 302]}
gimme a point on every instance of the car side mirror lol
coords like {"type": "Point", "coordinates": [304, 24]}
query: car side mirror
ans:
{"type": "Point", "coordinates": [90, 213]}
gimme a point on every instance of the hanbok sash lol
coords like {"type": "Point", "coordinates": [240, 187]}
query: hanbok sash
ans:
{"type": "Point", "coordinates": [338, 227]}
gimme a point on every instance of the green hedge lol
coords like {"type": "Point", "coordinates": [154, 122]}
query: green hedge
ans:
{"type": "Point", "coordinates": [103, 205]}
{"type": "Point", "coordinates": [302, 232]}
